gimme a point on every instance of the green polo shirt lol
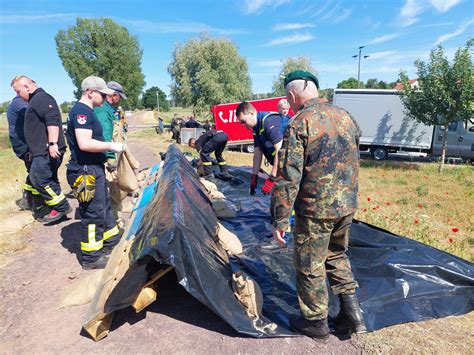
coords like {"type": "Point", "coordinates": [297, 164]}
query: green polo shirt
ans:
{"type": "Point", "coordinates": [106, 116]}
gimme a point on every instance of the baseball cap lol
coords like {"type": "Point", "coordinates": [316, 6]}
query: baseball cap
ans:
{"type": "Point", "coordinates": [117, 88]}
{"type": "Point", "coordinates": [301, 75]}
{"type": "Point", "coordinates": [96, 83]}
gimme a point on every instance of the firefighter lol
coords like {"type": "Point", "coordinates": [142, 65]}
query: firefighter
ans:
{"type": "Point", "coordinates": [267, 135]}
{"type": "Point", "coordinates": [46, 144]}
{"type": "Point", "coordinates": [208, 142]}
{"type": "Point", "coordinates": [86, 174]}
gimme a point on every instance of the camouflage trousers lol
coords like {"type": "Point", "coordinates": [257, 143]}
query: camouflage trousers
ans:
{"type": "Point", "coordinates": [320, 251]}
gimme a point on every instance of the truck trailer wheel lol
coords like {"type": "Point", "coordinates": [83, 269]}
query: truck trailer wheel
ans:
{"type": "Point", "coordinates": [249, 148]}
{"type": "Point", "coordinates": [379, 153]}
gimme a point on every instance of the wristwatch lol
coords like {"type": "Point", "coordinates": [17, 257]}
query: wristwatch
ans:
{"type": "Point", "coordinates": [52, 143]}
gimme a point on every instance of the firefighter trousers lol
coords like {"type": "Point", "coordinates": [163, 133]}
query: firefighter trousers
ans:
{"type": "Point", "coordinates": [44, 178]}
{"type": "Point", "coordinates": [99, 230]}
{"type": "Point", "coordinates": [217, 145]}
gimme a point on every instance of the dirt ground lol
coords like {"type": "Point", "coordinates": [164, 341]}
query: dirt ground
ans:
{"type": "Point", "coordinates": [30, 321]}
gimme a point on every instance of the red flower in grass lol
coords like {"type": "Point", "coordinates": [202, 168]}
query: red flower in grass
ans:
{"type": "Point", "coordinates": [364, 210]}
{"type": "Point", "coordinates": [416, 221]}
{"type": "Point", "coordinates": [454, 230]}
{"type": "Point", "coordinates": [368, 199]}
{"type": "Point", "coordinates": [420, 205]}
{"type": "Point", "coordinates": [451, 240]}
{"type": "Point", "coordinates": [374, 209]}
{"type": "Point", "coordinates": [446, 193]}
{"type": "Point", "coordinates": [388, 203]}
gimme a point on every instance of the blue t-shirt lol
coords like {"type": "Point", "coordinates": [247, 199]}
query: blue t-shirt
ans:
{"type": "Point", "coordinates": [82, 116]}
{"type": "Point", "coordinates": [267, 132]}
{"type": "Point", "coordinates": [284, 122]}
{"type": "Point", "coordinates": [16, 120]}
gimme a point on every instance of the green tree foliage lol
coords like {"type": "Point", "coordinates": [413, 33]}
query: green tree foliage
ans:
{"type": "Point", "coordinates": [327, 93]}
{"type": "Point", "coordinates": [102, 47]}
{"type": "Point", "coordinates": [207, 71]}
{"type": "Point", "coordinates": [445, 91]}
{"type": "Point", "coordinates": [288, 65]}
{"type": "Point", "coordinates": [378, 84]}
{"type": "Point", "coordinates": [4, 107]}
{"type": "Point", "coordinates": [149, 99]}
{"type": "Point", "coordinates": [66, 106]}
{"type": "Point", "coordinates": [350, 83]}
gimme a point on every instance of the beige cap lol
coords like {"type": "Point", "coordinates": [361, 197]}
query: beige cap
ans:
{"type": "Point", "coordinates": [96, 83]}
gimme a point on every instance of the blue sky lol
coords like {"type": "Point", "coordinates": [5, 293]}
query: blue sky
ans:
{"type": "Point", "coordinates": [328, 32]}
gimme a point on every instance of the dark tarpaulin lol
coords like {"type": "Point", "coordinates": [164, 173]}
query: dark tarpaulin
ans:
{"type": "Point", "coordinates": [400, 280]}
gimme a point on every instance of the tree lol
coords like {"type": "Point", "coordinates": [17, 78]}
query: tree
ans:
{"type": "Point", "coordinates": [327, 93]}
{"type": "Point", "coordinates": [102, 47]}
{"type": "Point", "coordinates": [445, 91]}
{"type": "Point", "coordinates": [288, 65]}
{"type": "Point", "coordinates": [207, 71]}
{"type": "Point", "coordinates": [4, 107]}
{"type": "Point", "coordinates": [66, 106]}
{"type": "Point", "coordinates": [149, 99]}
{"type": "Point", "coordinates": [350, 83]}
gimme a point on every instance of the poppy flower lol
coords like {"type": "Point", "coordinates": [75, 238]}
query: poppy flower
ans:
{"type": "Point", "coordinates": [374, 209]}
{"type": "Point", "coordinates": [364, 210]}
{"type": "Point", "coordinates": [451, 240]}
{"type": "Point", "coordinates": [368, 199]}
{"type": "Point", "coordinates": [416, 221]}
{"type": "Point", "coordinates": [455, 230]}
{"type": "Point", "coordinates": [388, 203]}
{"type": "Point", "coordinates": [377, 207]}
{"type": "Point", "coordinates": [420, 205]}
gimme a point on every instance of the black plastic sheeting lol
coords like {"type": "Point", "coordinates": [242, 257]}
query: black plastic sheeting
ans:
{"type": "Point", "coordinates": [400, 280]}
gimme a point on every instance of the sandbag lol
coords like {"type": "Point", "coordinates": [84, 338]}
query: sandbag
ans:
{"type": "Point", "coordinates": [81, 292]}
{"type": "Point", "coordinates": [248, 292]}
{"type": "Point", "coordinates": [228, 240]}
{"type": "Point", "coordinates": [126, 178]}
{"type": "Point", "coordinates": [116, 194]}
{"type": "Point", "coordinates": [131, 159]}
{"type": "Point", "coordinates": [225, 208]}
{"type": "Point", "coordinates": [211, 188]}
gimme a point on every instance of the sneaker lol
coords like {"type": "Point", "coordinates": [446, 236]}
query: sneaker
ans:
{"type": "Point", "coordinates": [100, 263]}
{"type": "Point", "coordinates": [23, 204]}
{"type": "Point", "coordinates": [55, 215]}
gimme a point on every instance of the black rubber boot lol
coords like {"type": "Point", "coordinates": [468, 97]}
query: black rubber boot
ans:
{"type": "Point", "coordinates": [316, 329]}
{"type": "Point", "coordinates": [350, 317]}
{"type": "Point", "coordinates": [100, 263]}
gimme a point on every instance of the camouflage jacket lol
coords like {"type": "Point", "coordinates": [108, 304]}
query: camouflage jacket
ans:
{"type": "Point", "coordinates": [318, 165]}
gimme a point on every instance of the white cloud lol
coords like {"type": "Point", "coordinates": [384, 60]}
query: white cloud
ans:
{"type": "Point", "coordinates": [440, 24]}
{"type": "Point", "coordinates": [45, 18]}
{"type": "Point", "coordinates": [460, 30]}
{"type": "Point", "coordinates": [256, 6]}
{"type": "Point", "coordinates": [444, 5]}
{"type": "Point", "coordinates": [410, 11]}
{"type": "Point", "coordinates": [292, 26]}
{"type": "Point", "coordinates": [381, 54]}
{"type": "Point", "coordinates": [383, 39]}
{"type": "Point", "coordinates": [337, 14]}
{"type": "Point", "coordinates": [296, 38]}
{"type": "Point", "coordinates": [178, 27]}
{"type": "Point", "coordinates": [322, 8]}
{"type": "Point", "coordinates": [345, 13]}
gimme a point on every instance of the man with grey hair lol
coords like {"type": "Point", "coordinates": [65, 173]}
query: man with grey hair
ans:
{"type": "Point", "coordinates": [46, 145]}
{"type": "Point", "coordinates": [318, 175]}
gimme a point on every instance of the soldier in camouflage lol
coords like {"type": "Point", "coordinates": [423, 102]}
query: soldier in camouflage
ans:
{"type": "Point", "coordinates": [318, 175]}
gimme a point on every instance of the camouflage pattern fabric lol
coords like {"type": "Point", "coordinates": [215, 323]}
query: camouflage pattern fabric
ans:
{"type": "Point", "coordinates": [318, 177]}
{"type": "Point", "coordinates": [320, 247]}
{"type": "Point", "coordinates": [318, 165]}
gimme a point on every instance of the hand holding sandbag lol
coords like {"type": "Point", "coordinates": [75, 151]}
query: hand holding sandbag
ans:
{"type": "Point", "coordinates": [117, 147]}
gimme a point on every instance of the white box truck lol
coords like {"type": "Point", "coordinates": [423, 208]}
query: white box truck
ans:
{"type": "Point", "coordinates": [386, 129]}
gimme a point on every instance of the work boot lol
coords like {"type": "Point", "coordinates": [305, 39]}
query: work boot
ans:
{"type": "Point", "coordinates": [100, 263]}
{"type": "Point", "coordinates": [316, 329]}
{"type": "Point", "coordinates": [55, 215]}
{"type": "Point", "coordinates": [349, 319]}
{"type": "Point", "coordinates": [224, 169]}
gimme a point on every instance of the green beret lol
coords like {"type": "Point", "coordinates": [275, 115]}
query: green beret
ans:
{"type": "Point", "coordinates": [301, 75]}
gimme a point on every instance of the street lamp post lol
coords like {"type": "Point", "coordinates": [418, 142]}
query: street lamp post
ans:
{"type": "Point", "coordinates": [358, 69]}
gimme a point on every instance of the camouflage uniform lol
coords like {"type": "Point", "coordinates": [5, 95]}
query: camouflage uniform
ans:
{"type": "Point", "coordinates": [318, 174]}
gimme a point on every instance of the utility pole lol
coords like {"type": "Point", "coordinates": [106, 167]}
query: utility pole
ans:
{"type": "Point", "coordinates": [358, 70]}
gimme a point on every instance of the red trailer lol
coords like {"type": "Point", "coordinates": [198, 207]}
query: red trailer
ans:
{"type": "Point", "coordinates": [239, 135]}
